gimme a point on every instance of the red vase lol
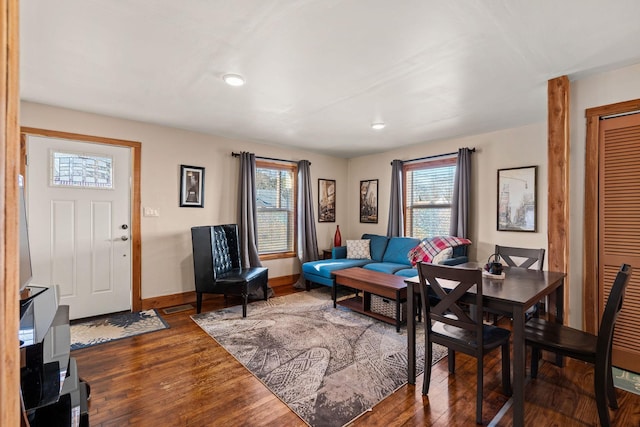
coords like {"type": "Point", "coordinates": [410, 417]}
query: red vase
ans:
{"type": "Point", "coordinates": [337, 239]}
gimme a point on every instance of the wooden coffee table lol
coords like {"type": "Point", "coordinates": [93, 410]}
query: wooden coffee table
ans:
{"type": "Point", "coordinates": [371, 282]}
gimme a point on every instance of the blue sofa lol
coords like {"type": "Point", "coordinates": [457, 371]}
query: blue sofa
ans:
{"type": "Point", "coordinates": [388, 255]}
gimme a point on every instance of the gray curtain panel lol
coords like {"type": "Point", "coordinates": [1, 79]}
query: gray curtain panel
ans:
{"type": "Point", "coordinates": [247, 221]}
{"type": "Point", "coordinates": [461, 190]}
{"type": "Point", "coordinates": [395, 227]}
{"type": "Point", "coordinates": [307, 240]}
{"type": "Point", "coordinates": [247, 217]}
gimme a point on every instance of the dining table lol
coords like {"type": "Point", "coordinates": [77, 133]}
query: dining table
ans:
{"type": "Point", "coordinates": [519, 290]}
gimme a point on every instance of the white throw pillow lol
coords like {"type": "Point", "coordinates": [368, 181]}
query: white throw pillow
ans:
{"type": "Point", "coordinates": [445, 254]}
{"type": "Point", "coordinates": [358, 249]}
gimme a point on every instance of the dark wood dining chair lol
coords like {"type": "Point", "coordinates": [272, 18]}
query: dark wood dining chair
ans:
{"type": "Point", "coordinates": [515, 257]}
{"type": "Point", "coordinates": [449, 323]}
{"type": "Point", "coordinates": [577, 344]}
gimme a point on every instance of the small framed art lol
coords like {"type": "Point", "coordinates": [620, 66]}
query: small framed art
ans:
{"type": "Point", "coordinates": [517, 199]}
{"type": "Point", "coordinates": [369, 201]}
{"type": "Point", "coordinates": [326, 200]}
{"type": "Point", "coordinates": [191, 186]}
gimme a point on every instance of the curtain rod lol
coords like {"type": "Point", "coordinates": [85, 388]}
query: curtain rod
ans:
{"type": "Point", "coordinates": [234, 154]}
{"type": "Point", "coordinates": [473, 150]}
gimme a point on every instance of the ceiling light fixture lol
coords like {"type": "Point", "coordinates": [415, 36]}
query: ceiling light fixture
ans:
{"type": "Point", "coordinates": [377, 126]}
{"type": "Point", "coordinates": [233, 79]}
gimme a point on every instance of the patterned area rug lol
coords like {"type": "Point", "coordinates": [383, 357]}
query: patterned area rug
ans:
{"type": "Point", "coordinates": [115, 327]}
{"type": "Point", "coordinates": [626, 380]}
{"type": "Point", "coordinates": [328, 365]}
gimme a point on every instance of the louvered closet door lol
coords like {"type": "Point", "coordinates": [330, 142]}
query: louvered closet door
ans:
{"type": "Point", "coordinates": [619, 229]}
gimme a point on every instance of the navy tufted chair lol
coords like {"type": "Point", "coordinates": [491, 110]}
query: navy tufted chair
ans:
{"type": "Point", "coordinates": [218, 268]}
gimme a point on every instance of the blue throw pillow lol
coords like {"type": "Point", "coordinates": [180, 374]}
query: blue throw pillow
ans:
{"type": "Point", "coordinates": [378, 245]}
{"type": "Point", "coordinates": [398, 248]}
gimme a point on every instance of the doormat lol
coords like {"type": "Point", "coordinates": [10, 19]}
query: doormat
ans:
{"type": "Point", "coordinates": [625, 380]}
{"type": "Point", "coordinates": [115, 327]}
{"type": "Point", "coordinates": [329, 365]}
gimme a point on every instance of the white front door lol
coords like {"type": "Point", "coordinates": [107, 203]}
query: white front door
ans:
{"type": "Point", "coordinates": [79, 222]}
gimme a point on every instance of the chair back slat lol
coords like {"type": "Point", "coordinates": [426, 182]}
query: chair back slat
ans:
{"type": "Point", "coordinates": [451, 285]}
{"type": "Point", "coordinates": [612, 310]}
{"type": "Point", "coordinates": [521, 257]}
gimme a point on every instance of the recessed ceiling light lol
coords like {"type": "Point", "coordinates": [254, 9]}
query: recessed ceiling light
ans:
{"type": "Point", "coordinates": [377, 126]}
{"type": "Point", "coordinates": [233, 79]}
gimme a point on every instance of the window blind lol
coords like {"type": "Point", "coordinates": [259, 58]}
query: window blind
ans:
{"type": "Point", "coordinates": [275, 208]}
{"type": "Point", "coordinates": [428, 197]}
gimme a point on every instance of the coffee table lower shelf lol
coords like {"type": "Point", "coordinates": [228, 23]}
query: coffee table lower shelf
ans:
{"type": "Point", "coordinates": [362, 305]}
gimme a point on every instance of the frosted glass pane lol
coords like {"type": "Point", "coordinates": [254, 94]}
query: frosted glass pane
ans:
{"type": "Point", "coordinates": [81, 170]}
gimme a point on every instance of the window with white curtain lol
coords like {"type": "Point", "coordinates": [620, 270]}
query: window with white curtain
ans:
{"type": "Point", "coordinates": [276, 208]}
{"type": "Point", "coordinates": [428, 194]}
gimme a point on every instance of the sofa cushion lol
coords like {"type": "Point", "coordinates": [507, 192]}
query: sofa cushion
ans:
{"type": "Point", "coordinates": [326, 267]}
{"type": "Point", "coordinates": [385, 267]}
{"type": "Point", "coordinates": [378, 245]}
{"type": "Point", "coordinates": [397, 249]}
{"type": "Point", "coordinates": [358, 249]}
{"type": "Point", "coordinates": [432, 246]}
{"type": "Point", "coordinates": [407, 272]}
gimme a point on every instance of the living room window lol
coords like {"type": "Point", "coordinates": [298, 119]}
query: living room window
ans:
{"type": "Point", "coordinates": [428, 192]}
{"type": "Point", "coordinates": [276, 209]}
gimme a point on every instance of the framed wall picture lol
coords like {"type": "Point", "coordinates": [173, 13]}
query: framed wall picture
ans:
{"type": "Point", "coordinates": [191, 186]}
{"type": "Point", "coordinates": [326, 200]}
{"type": "Point", "coordinates": [369, 201]}
{"type": "Point", "coordinates": [517, 199]}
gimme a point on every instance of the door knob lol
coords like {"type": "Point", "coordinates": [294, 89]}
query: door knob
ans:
{"type": "Point", "coordinates": [125, 238]}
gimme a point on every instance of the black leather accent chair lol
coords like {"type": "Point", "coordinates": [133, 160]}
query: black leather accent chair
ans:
{"type": "Point", "coordinates": [218, 267]}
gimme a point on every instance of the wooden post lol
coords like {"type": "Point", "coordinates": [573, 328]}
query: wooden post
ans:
{"type": "Point", "coordinates": [9, 159]}
{"type": "Point", "coordinates": [558, 179]}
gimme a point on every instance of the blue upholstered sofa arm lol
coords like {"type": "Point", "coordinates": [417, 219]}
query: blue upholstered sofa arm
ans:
{"type": "Point", "coordinates": [339, 252]}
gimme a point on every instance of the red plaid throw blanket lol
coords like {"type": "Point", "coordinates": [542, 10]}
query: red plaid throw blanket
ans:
{"type": "Point", "coordinates": [432, 246]}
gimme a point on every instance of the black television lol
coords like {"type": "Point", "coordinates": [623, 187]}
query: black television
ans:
{"type": "Point", "coordinates": [25, 252]}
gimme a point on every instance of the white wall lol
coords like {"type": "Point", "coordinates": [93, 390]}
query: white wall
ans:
{"type": "Point", "coordinates": [166, 246]}
{"type": "Point", "coordinates": [167, 265]}
{"type": "Point", "coordinates": [523, 146]}
{"type": "Point", "coordinates": [593, 91]}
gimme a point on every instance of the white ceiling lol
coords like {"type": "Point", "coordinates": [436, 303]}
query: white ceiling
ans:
{"type": "Point", "coordinates": [319, 72]}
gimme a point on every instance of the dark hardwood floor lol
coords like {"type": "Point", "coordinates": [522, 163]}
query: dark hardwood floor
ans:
{"type": "Point", "coordinates": [182, 377]}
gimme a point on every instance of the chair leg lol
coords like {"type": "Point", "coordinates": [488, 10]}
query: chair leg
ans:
{"type": "Point", "coordinates": [611, 391]}
{"type": "Point", "coordinates": [265, 290]}
{"type": "Point", "coordinates": [535, 359]}
{"type": "Point", "coordinates": [451, 359]}
{"type": "Point", "coordinates": [601, 400]}
{"type": "Point", "coordinates": [427, 367]}
{"type": "Point", "coordinates": [245, 301]}
{"type": "Point", "coordinates": [506, 370]}
{"type": "Point", "coordinates": [307, 285]}
{"type": "Point", "coordinates": [479, 387]}
{"type": "Point", "coordinates": [198, 302]}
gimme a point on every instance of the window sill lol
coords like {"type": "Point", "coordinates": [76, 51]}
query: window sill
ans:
{"type": "Point", "coordinates": [282, 255]}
